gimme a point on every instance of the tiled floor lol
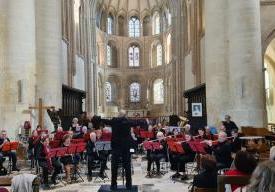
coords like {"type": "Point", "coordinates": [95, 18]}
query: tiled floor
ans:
{"type": "Point", "coordinates": [157, 184]}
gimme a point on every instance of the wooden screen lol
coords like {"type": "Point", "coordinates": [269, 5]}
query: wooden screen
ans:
{"type": "Point", "coordinates": [196, 95]}
{"type": "Point", "coordinates": [72, 105]}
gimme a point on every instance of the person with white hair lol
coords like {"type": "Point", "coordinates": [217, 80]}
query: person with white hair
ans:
{"type": "Point", "coordinates": [263, 178]}
{"type": "Point", "coordinates": [74, 125]}
{"type": "Point", "coordinates": [92, 155]}
{"type": "Point", "coordinates": [222, 151]}
{"type": "Point", "coordinates": [156, 155]}
{"type": "Point", "coordinates": [121, 144]}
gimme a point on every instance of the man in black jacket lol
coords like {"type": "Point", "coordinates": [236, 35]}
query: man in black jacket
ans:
{"type": "Point", "coordinates": [229, 125]}
{"type": "Point", "coordinates": [121, 144]}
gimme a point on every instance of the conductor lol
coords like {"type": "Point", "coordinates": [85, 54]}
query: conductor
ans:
{"type": "Point", "coordinates": [121, 144]}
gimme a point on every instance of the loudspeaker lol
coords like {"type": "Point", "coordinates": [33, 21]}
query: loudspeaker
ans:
{"type": "Point", "coordinates": [120, 188]}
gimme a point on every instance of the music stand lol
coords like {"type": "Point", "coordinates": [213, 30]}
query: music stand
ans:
{"type": "Point", "coordinates": [75, 149]}
{"type": "Point", "coordinates": [55, 143]}
{"type": "Point", "coordinates": [8, 147]}
{"type": "Point", "coordinates": [102, 146]}
{"type": "Point", "coordinates": [61, 152]}
{"type": "Point", "coordinates": [147, 145]}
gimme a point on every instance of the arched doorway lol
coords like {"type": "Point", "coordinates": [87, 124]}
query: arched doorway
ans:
{"type": "Point", "coordinates": [269, 66]}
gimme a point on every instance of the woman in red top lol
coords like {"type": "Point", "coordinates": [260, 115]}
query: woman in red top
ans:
{"type": "Point", "coordinates": [244, 163]}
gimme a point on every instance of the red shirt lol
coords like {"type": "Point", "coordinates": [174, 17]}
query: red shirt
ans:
{"type": "Point", "coordinates": [235, 172]}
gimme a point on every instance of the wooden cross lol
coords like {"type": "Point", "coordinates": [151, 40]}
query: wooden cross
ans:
{"type": "Point", "coordinates": [41, 109]}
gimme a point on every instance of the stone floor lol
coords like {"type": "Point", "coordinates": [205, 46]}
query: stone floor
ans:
{"type": "Point", "coordinates": [157, 184]}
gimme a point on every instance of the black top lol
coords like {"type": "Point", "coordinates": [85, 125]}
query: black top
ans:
{"type": "Point", "coordinates": [222, 153]}
{"type": "Point", "coordinates": [90, 149]}
{"type": "Point", "coordinates": [121, 132]}
{"type": "Point", "coordinates": [187, 149]}
{"type": "Point", "coordinates": [236, 145]}
{"type": "Point", "coordinates": [41, 155]}
{"type": "Point", "coordinates": [229, 126]}
{"type": "Point", "coordinates": [206, 179]}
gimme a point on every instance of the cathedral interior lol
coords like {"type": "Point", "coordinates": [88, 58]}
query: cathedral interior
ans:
{"type": "Point", "coordinates": [197, 59]}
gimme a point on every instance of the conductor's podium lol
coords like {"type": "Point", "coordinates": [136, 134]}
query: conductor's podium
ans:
{"type": "Point", "coordinates": [120, 188]}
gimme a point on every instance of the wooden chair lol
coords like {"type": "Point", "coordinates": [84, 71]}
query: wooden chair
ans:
{"type": "Point", "coordinates": [235, 180]}
{"type": "Point", "coordinates": [197, 189]}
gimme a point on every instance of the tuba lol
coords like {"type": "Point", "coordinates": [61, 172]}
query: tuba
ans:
{"type": "Point", "coordinates": [183, 121]}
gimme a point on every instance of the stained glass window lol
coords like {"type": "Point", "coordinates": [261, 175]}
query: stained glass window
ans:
{"type": "Point", "coordinates": [135, 92]}
{"type": "Point", "coordinates": [158, 89]}
{"type": "Point", "coordinates": [108, 92]}
{"type": "Point", "coordinates": [133, 56]}
{"type": "Point", "coordinates": [134, 27]}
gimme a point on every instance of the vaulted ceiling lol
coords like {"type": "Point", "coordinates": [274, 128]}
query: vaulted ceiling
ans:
{"type": "Point", "coordinates": [129, 7]}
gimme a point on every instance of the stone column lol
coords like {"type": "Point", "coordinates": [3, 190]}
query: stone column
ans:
{"type": "Point", "coordinates": [19, 80]}
{"type": "Point", "coordinates": [246, 76]}
{"type": "Point", "coordinates": [48, 54]}
{"type": "Point", "coordinates": [48, 51]}
{"type": "Point", "coordinates": [216, 64]}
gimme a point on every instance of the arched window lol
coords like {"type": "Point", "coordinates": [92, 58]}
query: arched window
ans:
{"type": "Point", "coordinates": [156, 24]}
{"type": "Point", "coordinates": [108, 92]}
{"type": "Point", "coordinates": [158, 91]}
{"type": "Point", "coordinates": [133, 56]}
{"type": "Point", "coordinates": [159, 54]}
{"type": "Point", "coordinates": [135, 92]}
{"type": "Point", "coordinates": [110, 25]}
{"type": "Point", "coordinates": [267, 83]}
{"type": "Point", "coordinates": [168, 56]}
{"type": "Point", "coordinates": [109, 55]}
{"type": "Point", "coordinates": [134, 27]}
{"type": "Point", "coordinates": [169, 19]}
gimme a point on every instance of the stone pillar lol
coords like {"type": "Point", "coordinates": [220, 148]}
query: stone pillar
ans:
{"type": "Point", "coordinates": [216, 60]}
{"type": "Point", "coordinates": [91, 70]}
{"type": "Point", "coordinates": [48, 51]}
{"type": "Point", "coordinates": [19, 80]}
{"type": "Point", "coordinates": [246, 76]}
{"type": "Point", "coordinates": [48, 54]}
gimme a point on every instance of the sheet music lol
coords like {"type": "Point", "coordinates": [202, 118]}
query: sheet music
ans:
{"type": "Point", "coordinates": [103, 146]}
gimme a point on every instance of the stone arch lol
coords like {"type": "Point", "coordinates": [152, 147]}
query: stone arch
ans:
{"type": "Point", "coordinates": [115, 84]}
{"type": "Point", "coordinates": [114, 54]}
{"type": "Point", "coordinates": [154, 53]}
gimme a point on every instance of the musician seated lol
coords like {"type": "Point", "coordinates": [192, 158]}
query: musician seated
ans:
{"type": "Point", "coordinates": [188, 156]}
{"type": "Point", "coordinates": [222, 151]}
{"type": "Point", "coordinates": [75, 126]}
{"type": "Point", "coordinates": [12, 155]}
{"type": "Point", "coordinates": [47, 164]}
{"type": "Point", "coordinates": [202, 134]}
{"type": "Point", "coordinates": [93, 155]}
{"type": "Point", "coordinates": [207, 178]}
{"type": "Point", "coordinates": [156, 155]}
{"type": "Point", "coordinates": [33, 140]}
{"type": "Point", "coordinates": [236, 143]}
{"type": "Point", "coordinates": [67, 160]}
{"type": "Point", "coordinates": [80, 134]}
{"type": "Point", "coordinates": [244, 164]}
{"type": "Point", "coordinates": [38, 128]}
{"type": "Point", "coordinates": [208, 133]}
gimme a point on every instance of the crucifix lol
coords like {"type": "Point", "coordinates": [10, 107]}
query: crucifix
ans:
{"type": "Point", "coordinates": [41, 109]}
